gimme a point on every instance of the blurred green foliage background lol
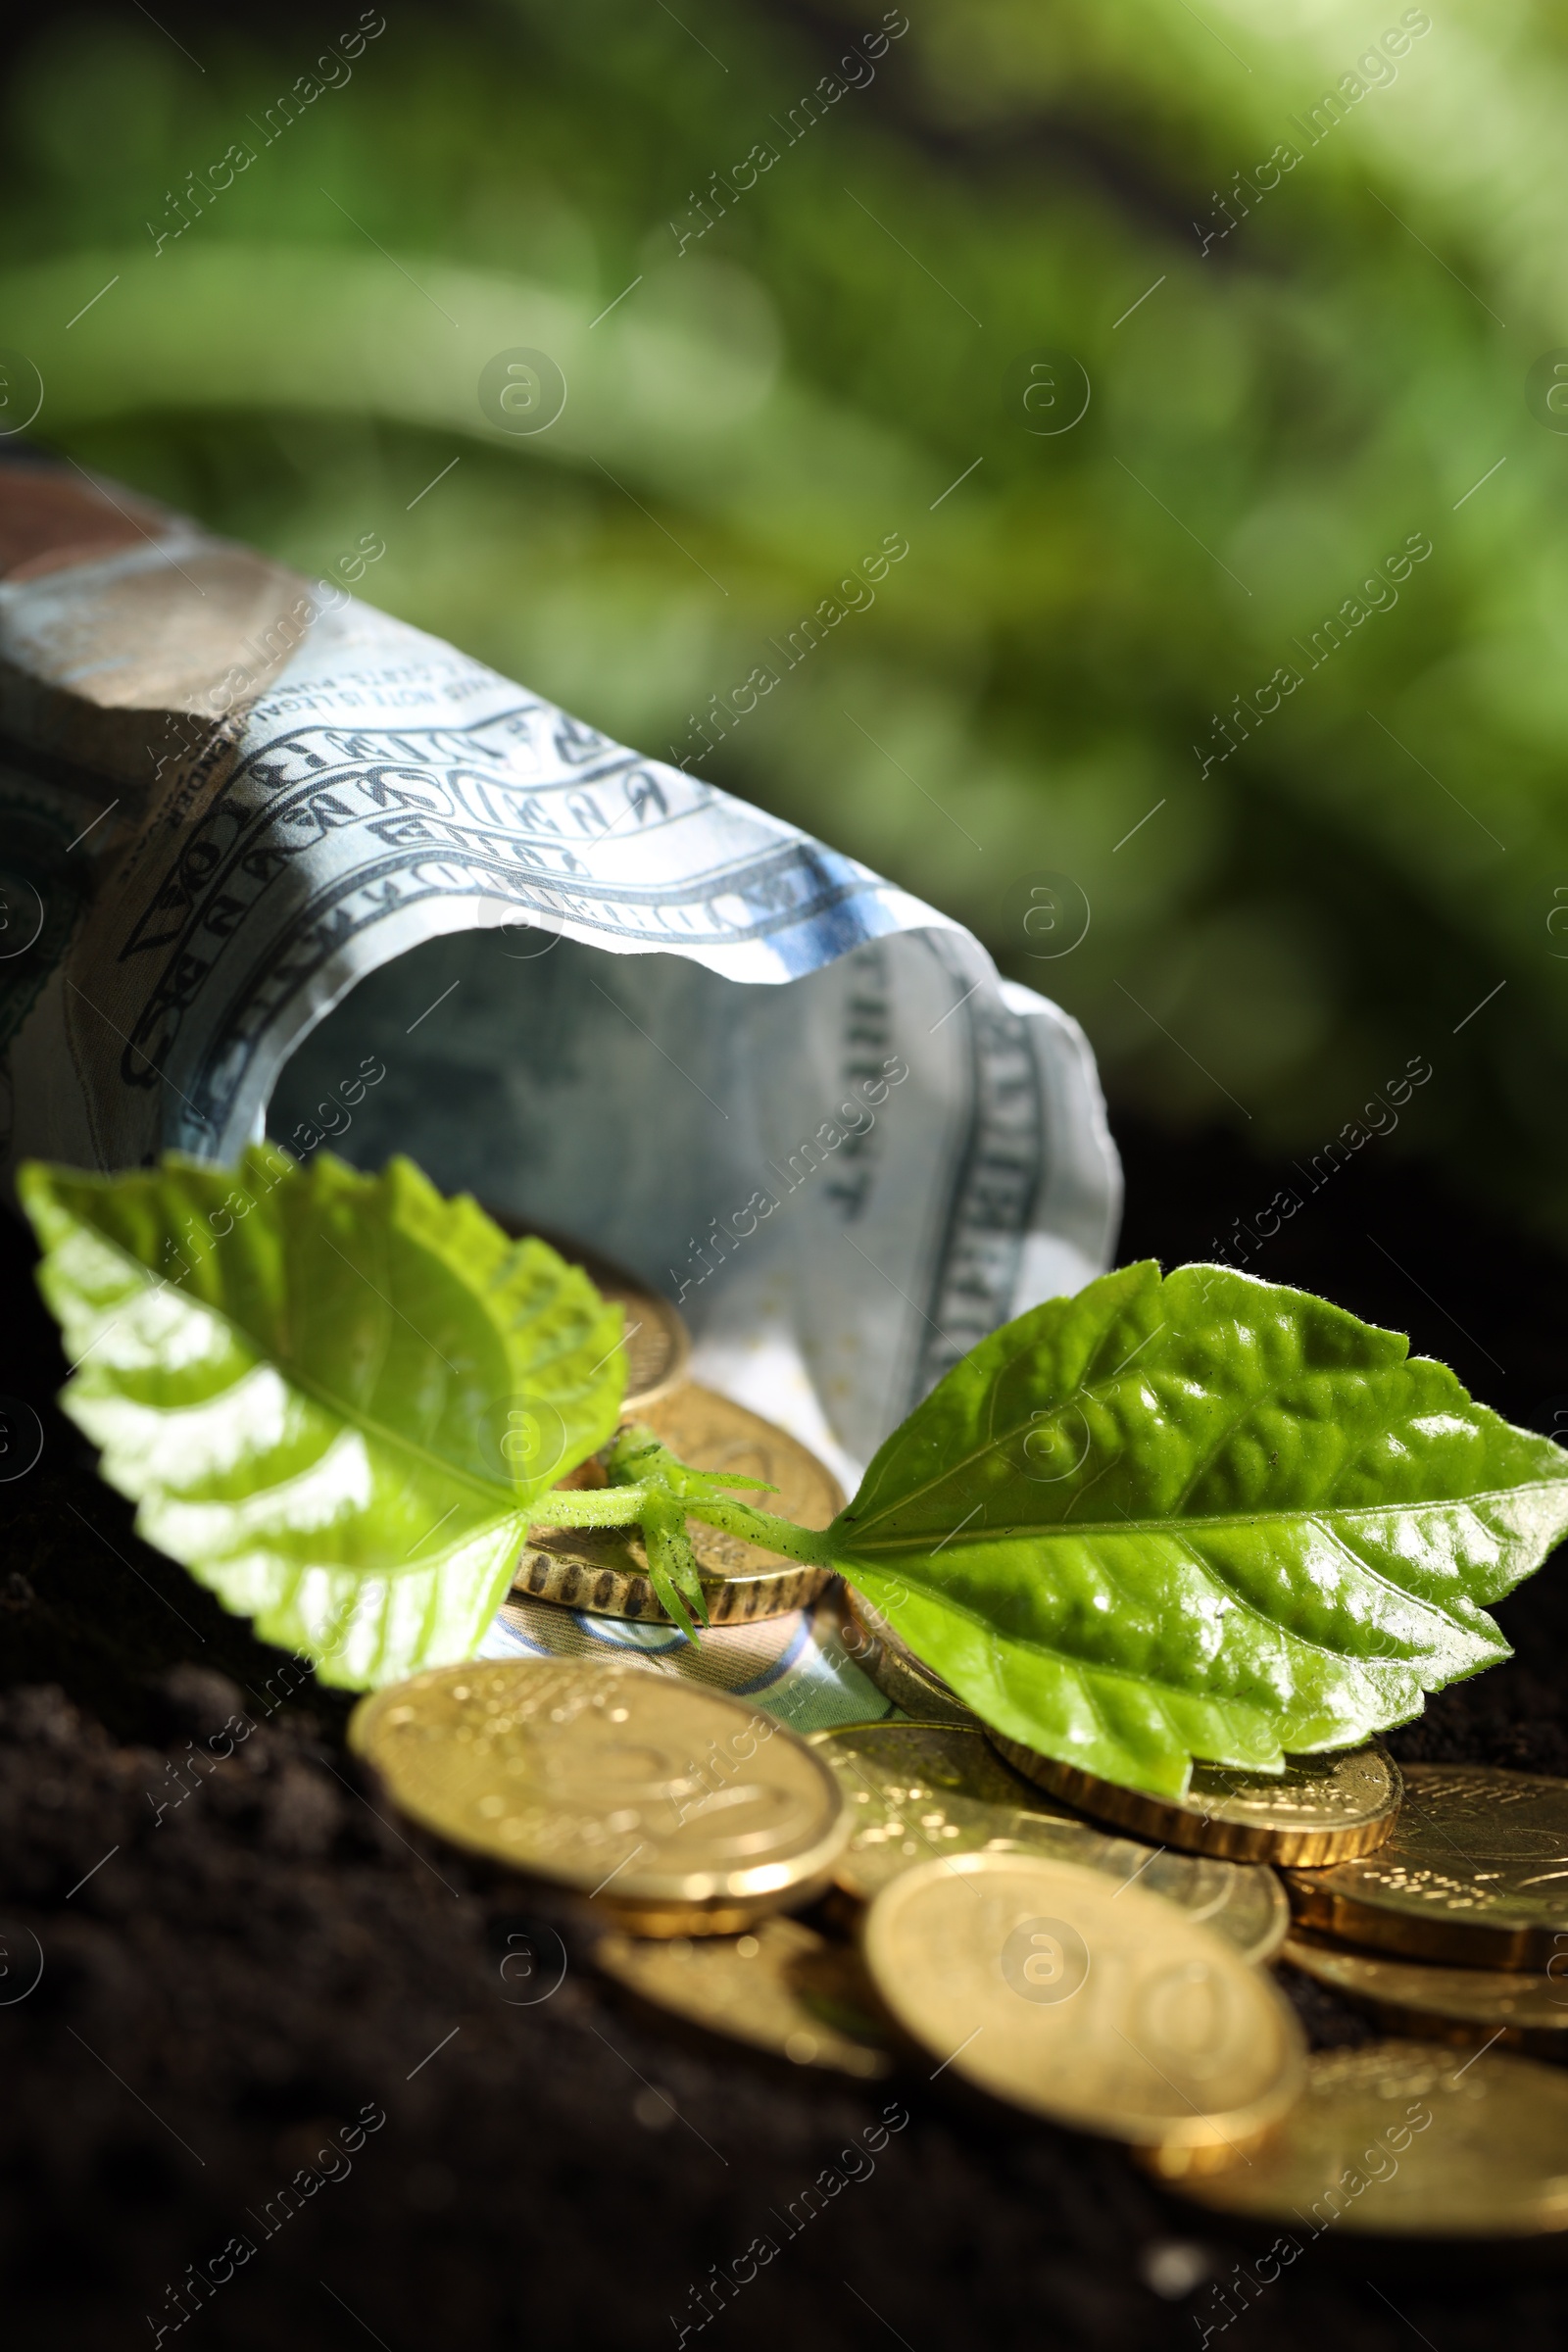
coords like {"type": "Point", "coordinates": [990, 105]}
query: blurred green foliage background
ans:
{"type": "Point", "coordinates": [1290, 378]}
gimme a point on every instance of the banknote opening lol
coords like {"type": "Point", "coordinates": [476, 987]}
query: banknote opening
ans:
{"type": "Point", "coordinates": [843, 1182]}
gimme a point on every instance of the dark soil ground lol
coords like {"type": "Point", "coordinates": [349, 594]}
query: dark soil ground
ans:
{"type": "Point", "coordinates": [270, 1980]}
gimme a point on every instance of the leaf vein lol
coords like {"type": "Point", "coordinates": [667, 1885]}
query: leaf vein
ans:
{"type": "Point", "coordinates": [1047, 1530]}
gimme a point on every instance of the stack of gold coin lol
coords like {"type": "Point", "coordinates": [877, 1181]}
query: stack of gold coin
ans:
{"type": "Point", "coordinates": [920, 1791]}
{"type": "Point", "coordinates": [1451, 1931]}
{"type": "Point", "coordinates": [882, 1653]}
{"type": "Point", "coordinates": [1407, 2140]}
{"type": "Point", "coordinates": [679, 1810]}
{"type": "Point", "coordinates": [1319, 1810]}
{"type": "Point", "coordinates": [603, 1570]}
{"type": "Point", "coordinates": [1092, 1953]}
{"type": "Point", "coordinates": [1458, 1925]}
{"type": "Point", "coordinates": [1105, 1984]}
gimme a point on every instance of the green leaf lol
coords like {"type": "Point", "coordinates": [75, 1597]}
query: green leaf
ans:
{"type": "Point", "coordinates": [333, 1396]}
{"type": "Point", "coordinates": [1202, 1516]}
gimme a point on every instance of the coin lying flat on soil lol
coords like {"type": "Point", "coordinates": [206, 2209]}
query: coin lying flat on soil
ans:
{"type": "Point", "coordinates": [1443, 2004]}
{"type": "Point", "coordinates": [1410, 2139]}
{"type": "Point", "coordinates": [684, 1811]}
{"type": "Point", "coordinates": [1319, 1810]}
{"type": "Point", "coordinates": [604, 1569]}
{"type": "Point", "coordinates": [881, 1653]}
{"type": "Point", "coordinates": [916, 1790]}
{"type": "Point", "coordinates": [1101, 2006]}
{"type": "Point", "coordinates": [782, 1988]}
{"type": "Point", "coordinates": [1476, 1873]}
{"type": "Point", "coordinates": [656, 1341]}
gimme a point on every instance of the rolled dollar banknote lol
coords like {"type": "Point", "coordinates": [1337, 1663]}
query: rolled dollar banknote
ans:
{"type": "Point", "coordinates": [272, 862]}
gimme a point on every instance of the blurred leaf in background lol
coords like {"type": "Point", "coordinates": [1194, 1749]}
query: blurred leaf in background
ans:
{"type": "Point", "coordinates": [1203, 363]}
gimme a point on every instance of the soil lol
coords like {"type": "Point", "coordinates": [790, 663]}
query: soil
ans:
{"type": "Point", "coordinates": [251, 1978]}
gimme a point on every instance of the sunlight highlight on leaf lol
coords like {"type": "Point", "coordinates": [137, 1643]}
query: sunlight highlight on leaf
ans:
{"type": "Point", "coordinates": [1198, 1517]}
{"type": "Point", "coordinates": [333, 1396]}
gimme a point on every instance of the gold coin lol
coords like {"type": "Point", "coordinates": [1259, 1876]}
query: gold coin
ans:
{"type": "Point", "coordinates": [1476, 1871]}
{"type": "Point", "coordinates": [1410, 2139]}
{"type": "Point", "coordinates": [1319, 1810]}
{"type": "Point", "coordinates": [916, 1790]}
{"type": "Point", "coordinates": [605, 1570]}
{"type": "Point", "coordinates": [783, 1987]}
{"type": "Point", "coordinates": [682, 1810]}
{"type": "Point", "coordinates": [656, 1341]}
{"type": "Point", "coordinates": [1450, 2004]}
{"type": "Point", "coordinates": [881, 1653]}
{"type": "Point", "coordinates": [1098, 2005]}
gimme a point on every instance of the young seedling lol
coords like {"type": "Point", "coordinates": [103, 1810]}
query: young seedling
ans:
{"type": "Point", "coordinates": [1169, 1518]}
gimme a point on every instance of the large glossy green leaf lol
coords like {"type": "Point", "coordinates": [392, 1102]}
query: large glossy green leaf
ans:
{"type": "Point", "coordinates": [333, 1396]}
{"type": "Point", "coordinates": [1202, 1516]}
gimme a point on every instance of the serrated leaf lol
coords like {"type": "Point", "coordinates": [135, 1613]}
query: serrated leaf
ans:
{"type": "Point", "coordinates": [333, 1396]}
{"type": "Point", "coordinates": [1198, 1517]}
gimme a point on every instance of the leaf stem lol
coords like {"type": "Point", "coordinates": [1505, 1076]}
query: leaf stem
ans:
{"type": "Point", "coordinates": [589, 1506]}
{"type": "Point", "coordinates": [621, 1506]}
{"type": "Point", "coordinates": [811, 1544]}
